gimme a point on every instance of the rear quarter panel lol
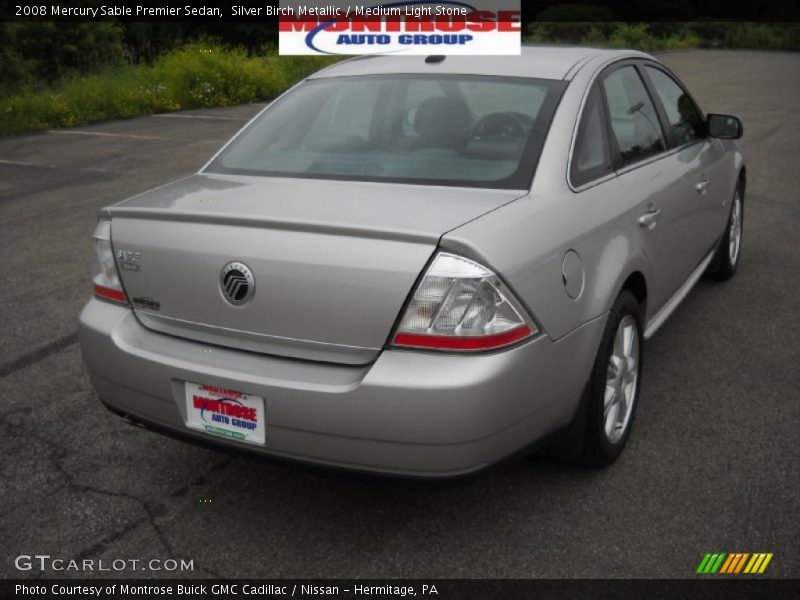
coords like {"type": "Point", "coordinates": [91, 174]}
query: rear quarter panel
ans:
{"type": "Point", "coordinates": [526, 240]}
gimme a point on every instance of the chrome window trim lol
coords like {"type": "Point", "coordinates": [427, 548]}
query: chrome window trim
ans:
{"type": "Point", "coordinates": [642, 61]}
{"type": "Point", "coordinates": [634, 166]}
{"type": "Point", "coordinates": [690, 144]}
{"type": "Point", "coordinates": [593, 183]}
{"type": "Point", "coordinates": [650, 160]}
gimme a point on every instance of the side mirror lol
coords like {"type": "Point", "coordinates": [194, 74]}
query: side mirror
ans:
{"type": "Point", "coordinates": [725, 127]}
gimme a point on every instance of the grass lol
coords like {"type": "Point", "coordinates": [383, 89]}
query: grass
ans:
{"type": "Point", "coordinates": [197, 75]}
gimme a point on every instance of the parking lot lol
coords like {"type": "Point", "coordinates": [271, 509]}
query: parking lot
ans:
{"type": "Point", "coordinates": [712, 464]}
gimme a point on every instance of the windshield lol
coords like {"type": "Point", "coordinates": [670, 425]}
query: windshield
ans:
{"type": "Point", "coordinates": [443, 130]}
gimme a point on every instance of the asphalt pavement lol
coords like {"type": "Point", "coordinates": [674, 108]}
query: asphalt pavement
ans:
{"type": "Point", "coordinates": [712, 464]}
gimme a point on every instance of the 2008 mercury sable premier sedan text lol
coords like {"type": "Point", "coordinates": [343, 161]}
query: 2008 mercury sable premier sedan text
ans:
{"type": "Point", "coordinates": [420, 266]}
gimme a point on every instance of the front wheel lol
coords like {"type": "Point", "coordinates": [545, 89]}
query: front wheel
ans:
{"type": "Point", "coordinates": [726, 259]}
{"type": "Point", "coordinates": [614, 383]}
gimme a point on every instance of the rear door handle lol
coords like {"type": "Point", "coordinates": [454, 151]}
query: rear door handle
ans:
{"type": "Point", "coordinates": [701, 186]}
{"type": "Point", "coordinates": [650, 218]}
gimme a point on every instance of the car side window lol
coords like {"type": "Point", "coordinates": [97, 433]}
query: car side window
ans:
{"type": "Point", "coordinates": [634, 122]}
{"type": "Point", "coordinates": [685, 119]}
{"type": "Point", "coordinates": [591, 158]}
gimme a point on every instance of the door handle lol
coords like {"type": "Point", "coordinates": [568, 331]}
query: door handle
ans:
{"type": "Point", "coordinates": [649, 218]}
{"type": "Point", "coordinates": [700, 186]}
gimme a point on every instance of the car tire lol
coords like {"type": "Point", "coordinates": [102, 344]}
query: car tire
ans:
{"type": "Point", "coordinates": [614, 384]}
{"type": "Point", "coordinates": [726, 259]}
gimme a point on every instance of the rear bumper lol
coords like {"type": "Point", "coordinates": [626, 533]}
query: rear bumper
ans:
{"type": "Point", "coordinates": [408, 413]}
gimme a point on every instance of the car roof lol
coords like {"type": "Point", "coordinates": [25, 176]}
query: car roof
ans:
{"type": "Point", "coordinates": [540, 62]}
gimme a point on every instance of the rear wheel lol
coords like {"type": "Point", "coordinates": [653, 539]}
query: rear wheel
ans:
{"type": "Point", "coordinates": [614, 383]}
{"type": "Point", "coordinates": [726, 259]}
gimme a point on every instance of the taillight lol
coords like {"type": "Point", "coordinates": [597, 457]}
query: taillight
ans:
{"type": "Point", "coordinates": [106, 279]}
{"type": "Point", "coordinates": [460, 305]}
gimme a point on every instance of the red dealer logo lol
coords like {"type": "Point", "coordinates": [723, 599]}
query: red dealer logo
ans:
{"type": "Point", "coordinates": [225, 407]}
{"type": "Point", "coordinates": [418, 28]}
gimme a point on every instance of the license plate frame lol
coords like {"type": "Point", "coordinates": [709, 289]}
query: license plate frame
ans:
{"type": "Point", "coordinates": [226, 413]}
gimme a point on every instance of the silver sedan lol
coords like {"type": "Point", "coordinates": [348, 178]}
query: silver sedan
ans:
{"type": "Point", "coordinates": [420, 266]}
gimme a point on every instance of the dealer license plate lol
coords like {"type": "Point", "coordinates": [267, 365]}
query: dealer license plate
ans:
{"type": "Point", "coordinates": [225, 413]}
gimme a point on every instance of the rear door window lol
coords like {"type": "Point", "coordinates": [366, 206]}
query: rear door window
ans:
{"type": "Point", "coordinates": [685, 119]}
{"type": "Point", "coordinates": [634, 121]}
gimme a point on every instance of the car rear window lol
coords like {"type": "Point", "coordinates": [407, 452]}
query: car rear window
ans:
{"type": "Point", "coordinates": [441, 130]}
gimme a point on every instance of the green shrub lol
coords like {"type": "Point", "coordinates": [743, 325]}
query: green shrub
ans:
{"type": "Point", "coordinates": [195, 76]}
{"type": "Point", "coordinates": [200, 75]}
{"type": "Point", "coordinates": [639, 37]}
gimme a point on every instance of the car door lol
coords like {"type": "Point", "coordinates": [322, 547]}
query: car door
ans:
{"type": "Point", "coordinates": [651, 179]}
{"type": "Point", "coordinates": [705, 183]}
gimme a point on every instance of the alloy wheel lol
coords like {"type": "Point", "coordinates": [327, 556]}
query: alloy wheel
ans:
{"type": "Point", "coordinates": [621, 380]}
{"type": "Point", "coordinates": [735, 233]}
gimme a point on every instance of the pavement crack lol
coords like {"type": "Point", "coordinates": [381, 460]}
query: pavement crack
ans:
{"type": "Point", "coordinates": [39, 354]}
{"type": "Point", "coordinates": [101, 545]}
{"type": "Point", "coordinates": [57, 455]}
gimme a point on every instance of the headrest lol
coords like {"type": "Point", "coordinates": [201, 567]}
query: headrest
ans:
{"type": "Point", "coordinates": [441, 119]}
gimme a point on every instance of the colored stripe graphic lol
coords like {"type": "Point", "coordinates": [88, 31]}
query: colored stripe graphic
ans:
{"type": "Point", "coordinates": [734, 563]}
{"type": "Point", "coordinates": [727, 564]}
{"type": "Point", "coordinates": [765, 563]}
{"type": "Point", "coordinates": [711, 563]}
{"type": "Point", "coordinates": [755, 562]}
{"type": "Point", "coordinates": [740, 564]}
{"type": "Point", "coordinates": [703, 563]}
{"type": "Point", "coordinates": [715, 567]}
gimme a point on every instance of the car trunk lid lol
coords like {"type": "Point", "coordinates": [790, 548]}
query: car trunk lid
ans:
{"type": "Point", "coordinates": [332, 262]}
